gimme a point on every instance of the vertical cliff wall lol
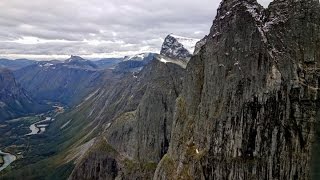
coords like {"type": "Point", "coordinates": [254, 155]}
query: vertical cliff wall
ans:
{"type": "Point", "coordinates": [250, 98]}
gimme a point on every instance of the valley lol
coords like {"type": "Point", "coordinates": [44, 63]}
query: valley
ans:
{"type": "Point", "coordinates": [75, 131]}
{"type": "Point", "coordinates": [18, 136]}
{"type": "Point", "coordinates": [243, 102]}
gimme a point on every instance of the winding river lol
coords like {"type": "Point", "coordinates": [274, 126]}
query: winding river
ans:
{"type": "Point", "coordinates": [38, 129]}
{"type": "Point", "coordinates": [7, 158]}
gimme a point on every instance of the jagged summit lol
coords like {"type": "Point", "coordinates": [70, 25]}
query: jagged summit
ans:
{"type": "Point", "coordinates": [188, 43]}
{"type": "Point", "coordinates": [246, 93]}
{"type": "Point", "coordinates": [278, 11]}
{"type": "Point", "coordinates": [178, 47]}
{"type": "Point", "coordinates": [228, 8]}
{"type": "Point", "coordinates": [74, 58]}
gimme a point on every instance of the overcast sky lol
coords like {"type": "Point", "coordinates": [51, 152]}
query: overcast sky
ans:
{"type": "Point", "coordinates": [55, 29]}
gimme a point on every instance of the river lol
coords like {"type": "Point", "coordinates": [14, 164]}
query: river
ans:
{"type": "Point", "coordinates": [38, 129]}
{"type": "Point", "coordinates": [7, 158]}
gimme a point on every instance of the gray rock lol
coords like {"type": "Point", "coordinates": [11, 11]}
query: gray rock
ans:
{"type": "Point", "coordinates": [177, 47]}
{"type": "Point", "coordinates": [250, 97]}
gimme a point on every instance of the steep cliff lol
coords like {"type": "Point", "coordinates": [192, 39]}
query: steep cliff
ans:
{"type": "Point", "coordinates": [249, 103]}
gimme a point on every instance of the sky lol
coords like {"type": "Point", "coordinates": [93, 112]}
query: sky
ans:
{"type": "Point", "coordinates": [56, 29]}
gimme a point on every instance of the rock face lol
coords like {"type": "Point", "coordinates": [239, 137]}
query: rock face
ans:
{"type": "Point", "coordinates": [178, 47]}
{"type": "Point", "coordinates": [199, 45]}
{"type": "Point", "coordinates": [14, 101]}
{"type": "Point", "coordinates": [249, 104]}
{"type": "Point", "coordinates": [100, 164]}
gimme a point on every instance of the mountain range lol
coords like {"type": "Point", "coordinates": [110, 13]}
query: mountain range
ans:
{"type": "Point", "coordinates": [14, 100]}
{"type": "Point", "coordinates": [241, 103]}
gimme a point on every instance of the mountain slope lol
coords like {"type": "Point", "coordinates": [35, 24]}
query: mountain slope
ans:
{"type": "Point", "coordinates": [117, 125]}
{"type": "Point", "coordinates": [65, 82]}
{"type": "Point", "coordinates": [134, 63]}
{"type": "Point", "coordinates": [136, 120]}
{"type": "Point", "coordinates": [78, 62]}
{"type": "Point", "coordinates": [107, 63]}
{"type": "Point", "coordinates": [15, 64]}
{"type": "Point", "coordinates": [14, 101]}
{"type": "Point", "coordinates": [250, 98]}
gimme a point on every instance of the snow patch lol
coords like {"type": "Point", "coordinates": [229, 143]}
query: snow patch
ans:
{"type": "Point", "coordinates": [48, 65]}
{"type": "Point", "coordinates": [138, 57]}
{"type": "Point", "coordinates": [164, 60]}
{"type": "Point", "coordinates": [188, 43]}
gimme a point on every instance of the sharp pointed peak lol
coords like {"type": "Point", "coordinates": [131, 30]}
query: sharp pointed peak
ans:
{"type": "Point", "coordinates": [228, 6]}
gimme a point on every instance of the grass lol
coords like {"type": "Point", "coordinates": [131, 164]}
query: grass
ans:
{"type": "Point", "coordinates": [44, 169]}
{"type": "Point", "coordinates": [102, 146]}
{"type": "Point", "coordinates": [29, 120]}
{"type": "Point", "coordinates": [135, 169]}
{"type": "Point", "coordinates": [168, 167]}
{"type": "Point", "coordinates": [40, 160]}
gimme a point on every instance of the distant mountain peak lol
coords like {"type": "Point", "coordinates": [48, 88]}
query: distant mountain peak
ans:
{"type": "Point", "coordinates": [188, 43]}
{"type": "Point", "coordinates": [178, 47]}
{"type": "Point", "coordinates": [134, 63]}
{"type": "Point", "coordinates": [75, 58]}
{"type": "Point", "coordinates": [137, 57]}
{"type": "Point", "coordinates": [79, 62]}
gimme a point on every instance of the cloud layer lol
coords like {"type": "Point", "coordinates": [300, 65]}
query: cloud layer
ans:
{"type": "Point", "coordinates": [46, 29]}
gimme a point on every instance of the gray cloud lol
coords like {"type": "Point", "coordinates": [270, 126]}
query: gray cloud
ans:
{"type": "Point", "coordinates": [44, 29]}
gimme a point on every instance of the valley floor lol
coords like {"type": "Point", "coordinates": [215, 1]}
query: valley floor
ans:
{"type": "Point", "coordinates": [7, 159]}
{"type": "Point", "coordinates": [21, 138]}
